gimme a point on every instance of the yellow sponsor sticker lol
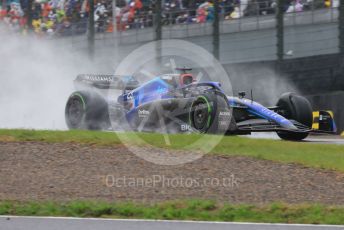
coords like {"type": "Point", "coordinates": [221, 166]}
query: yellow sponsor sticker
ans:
{"type": "Point", "coordinates": [316, 114]}
{"type": "Point", "coordinates": [315, 125]}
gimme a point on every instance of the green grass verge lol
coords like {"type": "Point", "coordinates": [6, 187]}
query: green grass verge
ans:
{"type": "Point", "coordinates": [325, 156]}
{"type": "Point", "coordinates": [183, 210]}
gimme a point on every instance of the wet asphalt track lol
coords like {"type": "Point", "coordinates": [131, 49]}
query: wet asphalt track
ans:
{"type": "Point", "coordinates": [39, 223]}
{"type": "Point", "coordinates": [317, 139]}
{"type": "Point", "coordinates": [322, 140]}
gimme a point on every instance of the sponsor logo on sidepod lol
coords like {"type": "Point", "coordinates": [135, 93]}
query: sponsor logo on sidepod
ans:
{"type": "Point", "coordinates": [225, 113]}
{"type": "Point", "coordinates": [143, 113]}
{"type": "Point", "coordinates": [185, 127]}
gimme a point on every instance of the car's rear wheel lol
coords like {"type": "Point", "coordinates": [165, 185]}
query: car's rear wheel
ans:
{"type": "Point", "coordinates": [296, 108]}
{"type": "Point", "coordinates": [86, 110]}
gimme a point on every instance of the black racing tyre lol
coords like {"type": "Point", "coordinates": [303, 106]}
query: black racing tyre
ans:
{"type": "Point", "coordinates": [210, 113]}
{"type": "Point", "coordinates": [297, 108]}
{"type": "Point", "coordinates": [87, 110]}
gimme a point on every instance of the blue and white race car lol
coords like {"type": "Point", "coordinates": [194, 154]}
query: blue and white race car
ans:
{"type": "Point", "coordinates": [177, 103]}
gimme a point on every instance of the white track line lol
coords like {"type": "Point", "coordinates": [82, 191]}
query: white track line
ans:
{"type": "Point", "coordinates": [174, 221]}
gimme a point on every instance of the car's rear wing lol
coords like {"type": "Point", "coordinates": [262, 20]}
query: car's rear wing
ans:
{"type": "Point", "coordinates": [102, 81]}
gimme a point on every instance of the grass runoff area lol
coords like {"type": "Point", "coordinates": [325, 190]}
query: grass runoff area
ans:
{"type": "Point", "coordinates": [310, 154]}
{"type": "Point", "coordinates": [182, 210]}
{"type": "Point", "coordinates": [326, 156]}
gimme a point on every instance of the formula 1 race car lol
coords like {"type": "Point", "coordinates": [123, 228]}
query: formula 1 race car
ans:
{"type": "Point", "coordinates": [177, 103]}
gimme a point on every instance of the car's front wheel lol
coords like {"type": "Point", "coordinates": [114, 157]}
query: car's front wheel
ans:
{"type": "Point", "coordinates": [298, 108]}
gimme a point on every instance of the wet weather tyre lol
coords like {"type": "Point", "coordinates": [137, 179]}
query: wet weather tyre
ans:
{"type": "Point", "coordinates": [86, 110]}
{"type": "Point", "coordinates": [209, 113]}
{"type": "Point", "coordinates": [296, 108]}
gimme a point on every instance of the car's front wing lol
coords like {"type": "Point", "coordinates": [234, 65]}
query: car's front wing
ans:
{"type": "Point", "coordinates": [261, 125]}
